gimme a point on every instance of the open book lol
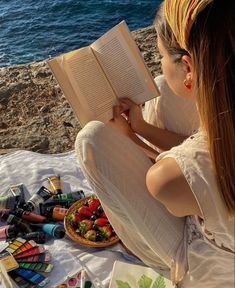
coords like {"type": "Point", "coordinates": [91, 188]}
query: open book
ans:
{"type": "Point", "coordinates": [93, 77]}
{"type": "Point", "coordinates": [127, 275]}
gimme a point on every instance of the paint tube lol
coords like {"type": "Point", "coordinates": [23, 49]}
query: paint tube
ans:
{"type": "Point", "coordinates": [18, 190]}
{"type": "Point", "coordinates": [71, 196]}
{"type": "Point", "coordinates": [8, 202]}
{"type": "Point", "coordinates": [38, 236]}
{"type": "Point", "coordinates": [54, 230]}
{"type": "Point", "coordinates": [56, 213]}
{"type": "Point", "coordinates": [4, 213]}
{"type": "Point", "coordinates": [21, 225]}
{"type": "Point", "coordinates": [55, 184]}
{"type": "Point", "coordinates": [29, 216]}
{"type": "Point", "coordinates": [42, 195]}
{"type": "Point", "coordinates": [8, 232]}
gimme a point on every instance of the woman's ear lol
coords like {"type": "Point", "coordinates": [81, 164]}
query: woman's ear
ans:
{"type": "Point", "coordinates": [187, 66]}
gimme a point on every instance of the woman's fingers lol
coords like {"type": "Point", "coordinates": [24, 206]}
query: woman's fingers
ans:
{"type": "Point", "coordinates": [116, 111]}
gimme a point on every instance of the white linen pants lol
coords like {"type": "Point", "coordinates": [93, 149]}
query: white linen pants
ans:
{"type": "Point", "coordinates": [116, 168]}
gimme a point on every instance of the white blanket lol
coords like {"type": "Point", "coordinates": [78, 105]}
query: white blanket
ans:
{"type": "Point", "coordinates": [31, 169]}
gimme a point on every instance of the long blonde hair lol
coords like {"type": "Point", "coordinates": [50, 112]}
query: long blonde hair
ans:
{"type": "Point", "coordinates": [212, 46]}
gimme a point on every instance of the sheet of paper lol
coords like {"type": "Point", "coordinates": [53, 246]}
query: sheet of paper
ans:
{"type": "Point", "coordinates": [127, 275]}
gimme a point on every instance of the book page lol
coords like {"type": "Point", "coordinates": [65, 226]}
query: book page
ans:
{"type": "Point", "coordinates": [91, 90]}
{"type": "Point", "coordinates": [124, 66]}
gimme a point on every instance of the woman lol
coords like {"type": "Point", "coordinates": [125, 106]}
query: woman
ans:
{"type": "Point", "coordinates": [178, 214]}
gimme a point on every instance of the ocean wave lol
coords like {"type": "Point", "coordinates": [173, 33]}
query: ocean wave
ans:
{"type": "Point", "coordinates": [32, 31]}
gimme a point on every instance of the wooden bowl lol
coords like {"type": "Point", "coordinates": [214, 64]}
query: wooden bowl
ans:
{"type": "Point", "coordinates": [70, 231]}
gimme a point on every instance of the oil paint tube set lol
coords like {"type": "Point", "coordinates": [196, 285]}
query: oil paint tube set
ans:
{"type": "Point", "coordinates": [24, 261]}
{"type": "Point", "coordinates": [28, 224]}
{"type": "Point", "coordinates": [37, 218]}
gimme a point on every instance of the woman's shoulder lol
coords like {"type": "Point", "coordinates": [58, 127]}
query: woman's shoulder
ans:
{"type": "Point", "coordinates": [166, 183]}
{"type": "Point", "coordinates": [196, 172]}
{"type": "Point", "coordinates": [192, 154]}
{"type": "Point", "coordinates": [178, 175]}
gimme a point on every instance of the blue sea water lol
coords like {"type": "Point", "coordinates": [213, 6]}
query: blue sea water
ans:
{"type": "Point", "coordinates": [34, 30]}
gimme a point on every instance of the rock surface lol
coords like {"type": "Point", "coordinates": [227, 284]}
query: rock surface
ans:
{"type": "Point", "coordinates": [34, 114]}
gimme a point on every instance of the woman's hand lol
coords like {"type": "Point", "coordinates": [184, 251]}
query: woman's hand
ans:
{"type": "Point", "coordinates": [134, 114]}
{"type": "Point", "coordinates": [119, 122]}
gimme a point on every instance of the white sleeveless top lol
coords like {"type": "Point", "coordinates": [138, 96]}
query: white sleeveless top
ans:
{"type": "Point", "coordinates": [208, 252]}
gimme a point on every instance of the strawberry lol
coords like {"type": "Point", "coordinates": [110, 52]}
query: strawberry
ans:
{"type": "Point", "coordinates": [75, 218]}
{"type": "Point", "coordinates": [103, 215]}
{"type": "Point", "coordinates": [106, 231]}
{"type": "Point", "coordinates": [78, 217]}
{"type": "Point", "coordinates": [85, 225]}
{"type": "Point", "coordinates": [93, 204]}
{"type": "Point", "coordinates": [84, 210]}
{"type": "Point", "coordinates": [101, 222]}
{"type": "Point", "coordinates": [90, 235]}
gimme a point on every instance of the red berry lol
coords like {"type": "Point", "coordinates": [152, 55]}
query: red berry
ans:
{"type": "Point", "coordinates": [101, 222]}
{"type": "Point", "coordinates": [75, 218]}
{"type": "Point", "coordinates": [78, 218]}
{"type": "Point", "coordinates": [85, 225]}
{"type": "Point", "coordinates": [106, 231]}
{"type": "Point", "coordinates": [93, 204]}
{"type": "Point", "coordinates": [84, 210]}
{"type": "Point", "coordinates": [103, 215]}
{"type": "Point", "coordinates": [90, 235]}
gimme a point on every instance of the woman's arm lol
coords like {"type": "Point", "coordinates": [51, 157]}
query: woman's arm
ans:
{"type": "Point", "coordinates": [167, 184]}
{"type": "Point", "coordinates": [161, 138]}
{"type": "Point", "coordinates": [120, 123]}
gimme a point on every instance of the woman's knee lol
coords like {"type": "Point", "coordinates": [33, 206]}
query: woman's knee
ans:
{"type": "Point", "coordinates": [88, 133]}
{"type": "Point", "coordinates": [89, 140]}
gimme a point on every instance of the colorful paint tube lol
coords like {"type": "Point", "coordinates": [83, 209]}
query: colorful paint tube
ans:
{"type": "Point", "coordinates": [29, 216]}
{"type": "Point", "coordinates": [21, 225]}
{"type": "Point", "coordinates": [38, 236]}
{"type": "Point", "coordinates": [42, 195]}
{"type": "Point", "coordinates": [72, 196]}
{"type": "Point", "coordinates": [49, 204]}
{"type": "Point", "coordinates": [16, 244]}
{"type": "Point", "coordinates": [32, 276]}
{"type": "Point", "coordinates": [8, 202]}
{"type": "Point", "coordinates": [44, 258]}
{"type": "Point", "coordinates": [38, 267]}
{"type": "Point", "coordinates": [34, 251]}
{"type": "Point", "coordinates": [55, 213]}
{"type": "Point", "coordinates": [21, 282]}
{"type": "Point", "coordinates": [4, 213]}
{"type": "Point", "coordinates": [55, 184]}
{"type": "Point", "coordinates": [18, 190]}
{"type": "Point", "coordinates": [8, 232]}
{"type": "Point", "coordinates": [54, 230]}
{"type": "Point", "coordinates": [25, 247]}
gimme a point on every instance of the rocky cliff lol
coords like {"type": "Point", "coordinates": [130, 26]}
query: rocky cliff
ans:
{"type": "Point", "coordinates": [34, 114]}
